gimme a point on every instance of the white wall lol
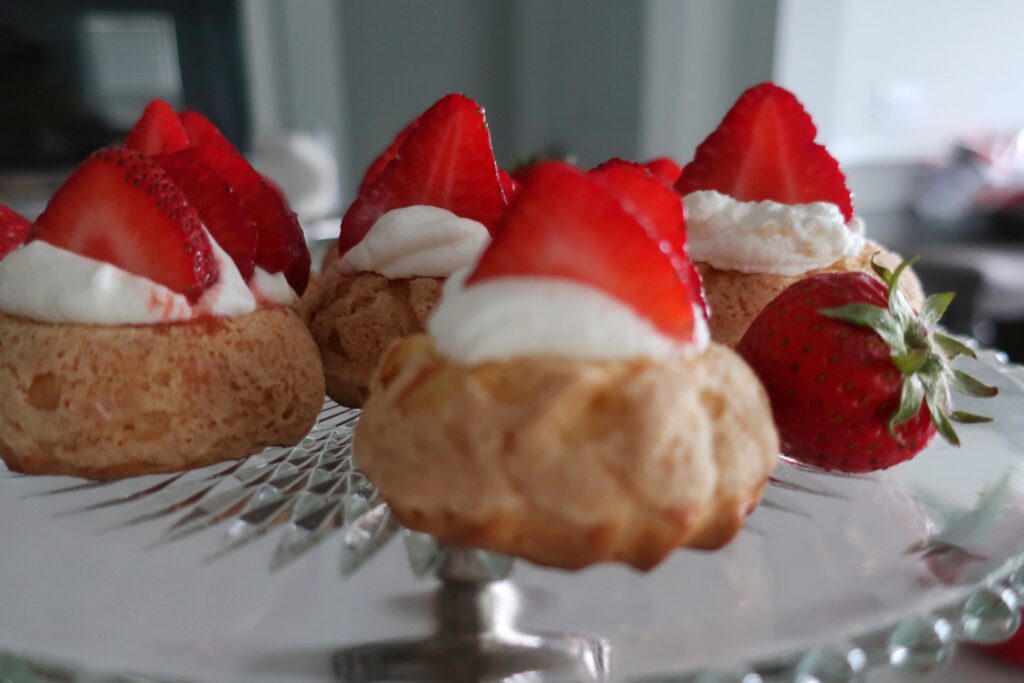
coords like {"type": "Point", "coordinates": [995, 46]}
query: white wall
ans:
{"type": "Point", "coordinates": [698, 56]}
{"type": "Point", "coordinates": [888, 81]}
{"type": "Point", "coordinates": [402, 55]}
{"type": "Point", "coordinates": [893, 81]}
{"type": "Point", "coordinates": [596, 78]}
{"type": "Point", "coordinates": [295, 72]}
{"type": "Point", "coordinates": [578, 74]}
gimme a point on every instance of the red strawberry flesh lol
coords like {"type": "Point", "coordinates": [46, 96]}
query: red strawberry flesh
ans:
{"type": "Point", "coordinates": [656, 207]}
{"type": "Point", "coordinates": [201, 131]}
{"type": "Point", "coordinates": [218, 205]}
{"type": "Point", "coordinates": [764, 149]}
{"type": "Point", "coordinates": [664, 169]}
{"type": "Point", "coordinates": [120, 207]}
{"type": "Point", "coordinates": [158, 130]}
{"type": "Point", "coordinates": [445, 161]}
{"type": "Point", "coordinates": [509, 185]}
{"type": "Point", "coordinates": [14, 230]}
{"type": "Point", "coordinates": [280, 242]}
{"type": "Point", "coordinates": [384, 158]}
{"type": "Point", "coordinates": [566, 225]}
{"type": "Point", "coordinates": [644, 196]}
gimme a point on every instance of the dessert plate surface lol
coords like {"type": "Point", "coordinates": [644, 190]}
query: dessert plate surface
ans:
{"type": "Point", "coordinates": [288, 567]}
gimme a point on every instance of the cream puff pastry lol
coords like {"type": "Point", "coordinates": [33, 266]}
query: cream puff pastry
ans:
{"type": "Point", "coordinates": [767, 206]}
{"type": "Point", "coordinates": [566, 405]}
{"type": "Point", "coordinates": [148, 323]}
{"type": "Point", "coordinates": [425, 209]}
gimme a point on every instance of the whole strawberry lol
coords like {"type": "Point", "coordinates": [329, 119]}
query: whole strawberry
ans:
{"type": "Point", "coordinates": [857, 379]}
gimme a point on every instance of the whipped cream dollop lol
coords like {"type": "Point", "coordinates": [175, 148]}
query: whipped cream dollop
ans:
{"type": "Point", "coordinates": [767, 236]}
{"type": "Point", "coordinates": [417, 241]}
{"type": "Point", "coordinates": [529, 316]}
{"type": "Point", "coordinates": [272, 288]}
{"type": "Point", "coordinates": [48, 284]}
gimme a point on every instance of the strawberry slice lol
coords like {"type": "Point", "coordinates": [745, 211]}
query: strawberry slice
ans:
{"type": "Point", "coordinates": [657, 208]}
{"type": "Point", "coordinates": [446, 160]}
{"type": "Point", "coordinates": [567, 225]}
{"type": "Point", "coordinates": [120, 207]}
{"type": "Point", "coordinates": [764, 148]}
{"type": "Point", "coordinates": [647, 198]}
{"type": "Point", "coordinates": [509, 185]}
{"type": "Point", "coordinates": [157, 130]}
{"type": "Point", "coordinates": [217, 204]}
{"type": "Point", "coordinates": [664, 169]}
{"type": "Point", "coordinates": [385, 157]}
{"type": "Point", "coordinates": [201, 131]}
{"type": "Point", "coordinates": [280, 243]}
{"type": "Point", "coordinates": [14, 230]}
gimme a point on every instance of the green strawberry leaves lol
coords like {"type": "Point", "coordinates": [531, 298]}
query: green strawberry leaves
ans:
{"type": "Point", "coordinates": [951, 347]}
{"type": "Point", "coordinates": [921, 354]}
{"type": "Point", "coordinates": [966, 384]}
{"type": "Point", "coordinates": [871, 317]}
{"type": "Point", "coordinates": [968, 418]}
{"type": "Point", "coordinates": [934, 307]}
{"type": "Point", "coordinates": [911, 361]}
{"type": "Point", "coordinates": [911, 394]}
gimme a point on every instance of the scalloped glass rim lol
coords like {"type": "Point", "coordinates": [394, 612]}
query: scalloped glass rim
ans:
{"type": "Point", "coordinates": [918, 555]}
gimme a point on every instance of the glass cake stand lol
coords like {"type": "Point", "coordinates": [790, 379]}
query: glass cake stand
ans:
{"type": "Point", "coordinates": [288, 567]}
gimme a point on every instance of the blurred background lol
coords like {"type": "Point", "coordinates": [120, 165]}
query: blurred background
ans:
{"type": "Point", "coordinates": [920, 100]}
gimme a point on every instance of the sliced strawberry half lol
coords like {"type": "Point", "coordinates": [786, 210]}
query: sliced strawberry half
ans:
{"type": "Point", "coordinates": [664, 169]}
{"type": "Point", "coordinates": [14, 230]}
{"type": "Point", "coordinates": [446, 160]}
{"type": "Point", "coordinates": [659, 210]}
{"type": "Point", "coordinates": [565, 224]}
{"type": "Point", "coordinates": [647, 198]}
{"type": "Point", "coordinates": [158, 130]}
{"type": "Point", "coordinates": [385, 157]}
{"type": "Point", "coordinates": [280, 243]}
{"type": "Point", "coordinates": [201, 131]}
{"type": "Point", "coordinates": [764, 148]}
{"type": "Point", "coordinates": [218, 205]}
{"type": "Point", "coordinates": [509, 185]}
{"type": "Point", "coordinates": [120, 207]}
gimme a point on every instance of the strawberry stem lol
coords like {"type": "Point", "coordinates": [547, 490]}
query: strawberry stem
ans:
{"type": "Point", "coordinates": [921, 354]}
{"type": "Point", "coordinates": [911, 393]}
{"type": "Point", "coordinates": [934, 307]}
{"type": "Point", "coordinates": [952, 347]}
{"type": "Point", "coordinates": [871, 317]}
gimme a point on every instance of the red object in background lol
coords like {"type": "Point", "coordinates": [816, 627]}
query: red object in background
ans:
{"type": "Point", "coordinates": [1011, 651]}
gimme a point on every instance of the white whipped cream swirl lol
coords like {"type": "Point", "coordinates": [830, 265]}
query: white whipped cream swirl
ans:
{"type": "Point", "coordinates": [417, 241]}
{"type": "Point", "coordinates": [45, 283]}
{"type": "Point", "coordinates": [272, 288]}
{"type": "Point", "coordinates": [530, 316]}
{"type": "Point", "coordinates": [767, 236]}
